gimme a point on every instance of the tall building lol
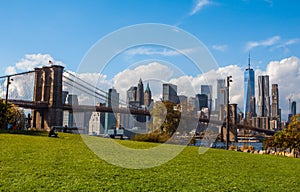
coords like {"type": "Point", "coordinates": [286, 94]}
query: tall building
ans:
{"type": "Point", "coordinates": [131, 94]}
{"type": "Point", "coordinates": [221, 94]}
{"type": "Point", "coordinates": [263, 101]}
{"type": "Point", "coordinates": [147, 96]}
{"type": "Point", "coordinates": [113, 102]}
{"type": "Point", "coordinates": [135, 99]}
{"type": "Point", "coordinates": [96, 123]}
{"type": "Point", "coordinates": [191, 104]}
{"type": "Point", "coordinates": [207, 90]}
{"type": "Point", "coordinates": [140, 92]}
{"type": "Point", "coordinates": [201, 101]}
{"type": "Point", "coordinates": [275, 101]}
{"type": "Point", "coordinates": [170, 92]}
{"type": "Point", "coordinates": [183, 100]}
{"type": "Point", "coordinates": [252, 107]}
{"type": "Point", "coordinates": [249, 90]}
{"type": "Point", "coordinates": [294, 108]}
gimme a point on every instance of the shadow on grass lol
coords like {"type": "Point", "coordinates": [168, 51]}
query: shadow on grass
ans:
{"type": "Point", "coordinates": [24, 132]}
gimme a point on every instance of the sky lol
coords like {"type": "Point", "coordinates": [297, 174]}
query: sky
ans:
{"type": "Point", "coordinates": [34, 32]}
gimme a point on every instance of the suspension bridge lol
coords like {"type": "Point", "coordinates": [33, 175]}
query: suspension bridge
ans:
{"type": "Point", "coordinates": [49, 91]}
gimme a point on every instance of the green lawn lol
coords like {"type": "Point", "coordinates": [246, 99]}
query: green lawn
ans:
{"type": "Point", "coordinates": [39, 163]}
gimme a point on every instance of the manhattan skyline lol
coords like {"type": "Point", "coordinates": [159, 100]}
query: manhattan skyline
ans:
{"type": "Point", "coordinates": [38, 31]}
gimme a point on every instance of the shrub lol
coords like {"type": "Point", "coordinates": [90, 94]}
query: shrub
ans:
{"type": "Point", "coordinates": [247, 147]}
{"type": "Point", "coordinates": [151, 137]}
{"type": "Point", "coordinates": [233, 147]}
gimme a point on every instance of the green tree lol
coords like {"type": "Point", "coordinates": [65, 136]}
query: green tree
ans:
{"type": "Point", "coordinates": [268, 142]}
{"type": "Point", "coordinates": [10, 114]}
{"type": "Point", "coordinates": [290, 136]}
{"type": "Point", "coordinates": [165, 117]}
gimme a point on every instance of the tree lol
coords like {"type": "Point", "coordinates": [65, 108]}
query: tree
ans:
{"type": "Point", "coordinates": [290, 136]}
{"type": "Point", "coordinates": [165, 117]}
{"type": "Point", "coordinates": [268, 142]}
{"type": "Point", "coordinates": [10, 114]}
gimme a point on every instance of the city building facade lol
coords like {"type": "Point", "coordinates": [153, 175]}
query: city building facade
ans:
{"type": "Point", "coordinates": [140, 93]}
{"type": "Point", "coordinates": [221, 94]}
{"type": "Point", "coordinates": [147, 96]}
{"type": "Point", "coordinates": [263, 101]}
{"type": "Point", "coordinates": [293, 108]}
{"type": "Point", "coordinates": [170, 93]}
{"type": "Point", "coordinates": [249, 91]}
{"type": "Point", "coordinates": [201, 101]}
{"type": "Point", "coordinates": [207, 90]}
{"type": "Point", "coordinates": [113, 102]}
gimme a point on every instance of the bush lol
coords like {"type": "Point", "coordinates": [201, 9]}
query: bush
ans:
{"type": "Point", "coordinates": [233, 147]}
{"type": "Point", "coordinates": [151, 137]}
{"type": "Point", "coordinates": [247, 147]}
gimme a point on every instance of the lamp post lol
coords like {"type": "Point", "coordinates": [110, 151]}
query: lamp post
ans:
{"type": "Point", "coordinates": [7, 86]}
{"type": "Point", "coordinates": [6, 98]}
{"type": "Point", "coordinates": [227, 112]}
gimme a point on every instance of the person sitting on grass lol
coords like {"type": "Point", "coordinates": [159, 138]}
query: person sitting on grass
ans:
{"type": "Point", "coordinates": [52, 133]}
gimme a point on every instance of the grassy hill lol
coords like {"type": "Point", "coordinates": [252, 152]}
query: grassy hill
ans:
{"type": "Point", "coordinates": [39, 163]}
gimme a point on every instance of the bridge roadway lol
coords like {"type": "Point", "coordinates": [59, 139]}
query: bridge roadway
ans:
{"type": "Point", "coordinates": [82, 108]}
{"type": "Point", "coordinates": [77, 108]}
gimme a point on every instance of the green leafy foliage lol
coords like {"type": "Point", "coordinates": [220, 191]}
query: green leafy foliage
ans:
{"type": "Point", "coordinates": [40, 163]}
{"type": "Point", "coordinates": [166, 117]}
{"type": "Point", "coordinates": [151, 137]}
{"type": "Point", "coordinates": [10, 114]}
{"type": "Point", "coordinates": [289, 137]}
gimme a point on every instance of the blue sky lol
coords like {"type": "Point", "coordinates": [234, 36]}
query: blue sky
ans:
{"type": "Point", "coordinates": [34, 31]}
{"type": "Point", "coordinates": [67, 29]}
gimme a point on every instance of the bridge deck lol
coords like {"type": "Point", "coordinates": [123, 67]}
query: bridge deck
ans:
{"type": "Point", "coordinates": [83, 108]}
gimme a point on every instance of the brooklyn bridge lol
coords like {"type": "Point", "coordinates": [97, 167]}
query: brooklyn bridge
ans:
{"type": "Point", "coordinates": [49, 86]}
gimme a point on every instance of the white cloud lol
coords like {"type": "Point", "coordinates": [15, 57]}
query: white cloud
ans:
{"type": "Point", "coordinates": [30, 61]}
{"type": "Point", "coordinates": [284, 45]}
{"type": "Point", "coordinates": [220, 47]}
{"type": "Point", "coordinates": [274, 42]}
{"type": "Point", "coordinates": [270, 2]}
{"type": "Point", "coordinates": [153, 51]}
{"type": "Point", "coordinates": [154, 73]}
{"type": "Point", "coordinates": [285, 73]}
{"type": "Point", "coordinates": [10, 70]}
{"type": "Point", "coordinates": [198, 6]}
{"type": "Point", "coordinates": [21, 86]}
{"type": "Point", "coordinates": [292, 41]}
{"type": "Point", "coordinates": [92, 81]}
{"type": "Point", "coordinates": [264, 43]}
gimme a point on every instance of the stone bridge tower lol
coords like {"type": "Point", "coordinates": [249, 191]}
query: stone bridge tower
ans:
{"type": "Point", "coordinates": [48, 93]}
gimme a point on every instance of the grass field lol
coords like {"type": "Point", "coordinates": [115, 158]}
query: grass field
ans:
{"type": "Point", "coordinates": [39, 163]}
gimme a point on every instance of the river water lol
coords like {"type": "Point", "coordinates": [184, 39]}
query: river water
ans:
{"type": "Point", "coordinates": [222, 145]}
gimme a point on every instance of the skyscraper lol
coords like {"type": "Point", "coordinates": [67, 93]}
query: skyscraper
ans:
{"type": "Point", "coordinates": [221, 94]}
{"type": "Point", "coordinates": [140, 92]}
{"type": "Point", "coordinates": [252, 107]}
{"type": "Point", "coordinates": [170, 92]}
{"type": "Point", "coordinates": [113, 102]}
{"type": "Point", "coordinates": [207, 90]}
{"type": "Point", "coordinates": [147, 96]}
{"type": "Point", "coordinates": [294, 108]}
{"type": "Point", "coordinates": [249, 90]}
{"type": "Point", "coordinates": [131, 95]}
{"type": "Point", "coordinates": [201, 101]}
{"type": "Point", "coordinates": [275, 100]}
{"type": "Point", "coordinates": [263, 100]}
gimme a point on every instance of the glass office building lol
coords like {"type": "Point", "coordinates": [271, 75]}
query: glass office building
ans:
{"type": "Point", "coordinates": [249, 90]}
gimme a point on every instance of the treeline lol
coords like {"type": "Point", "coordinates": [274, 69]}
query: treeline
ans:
{"type": "Point", "coordinates": [289, 138]}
